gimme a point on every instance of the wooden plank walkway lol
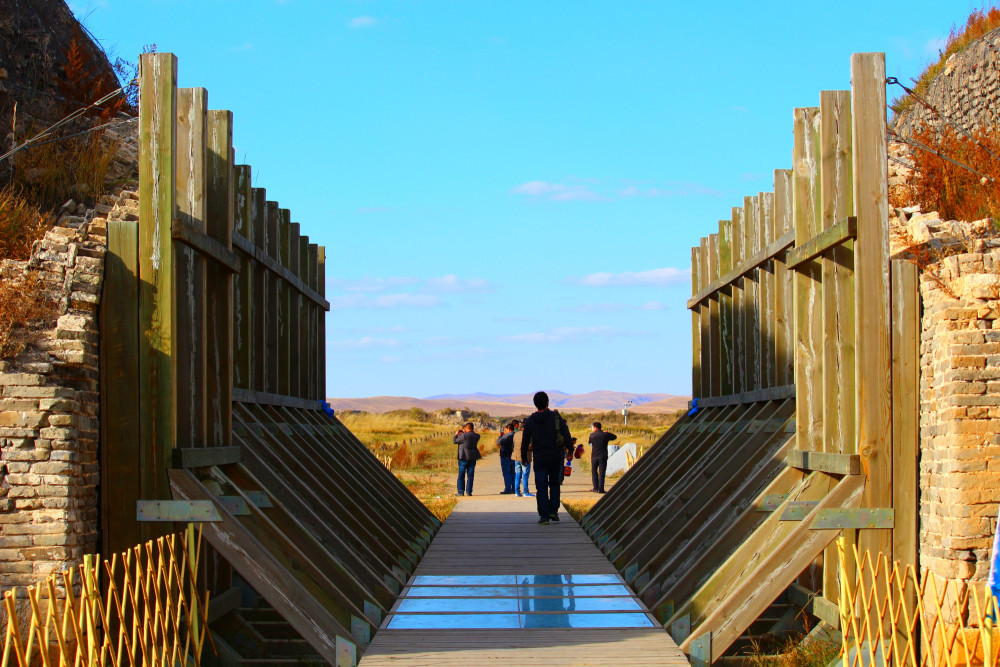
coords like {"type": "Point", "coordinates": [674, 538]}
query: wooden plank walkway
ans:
{"type": "Point", "coordinates": [496, 588]}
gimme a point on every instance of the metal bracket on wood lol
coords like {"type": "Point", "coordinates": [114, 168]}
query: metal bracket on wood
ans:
{"type": "Point", "coordinates": [205, 244]}
{"type": "Point", "coordinates": [347, 653]}
{"type": "Point", "coordinates": [665, 611]}
{"type": "Point", "coordinates": [701, 650]}
{"type": "Point", "coordinates": [797, 510]}
{"type": "Point", "coordinates": [681, 628]}
{"type": "Point", "coordinates": [771, 502]}
{"type": "Point", "coordinates": [186, 511]}
{"type": "Point", "coordinates": [259, 499]}
{"type": "Point", "coordinates": [836, 518]}
{"type": "Point", "coordinates": [844, 230]}
{"type": "Point", "coordinates": [235, 505]}
{"type": "Point", "coordinates": [373, 613]}
{"type": "Point", "coordinates": [361, 631]}
{"type": "Point", "coordinates": [838, 464]}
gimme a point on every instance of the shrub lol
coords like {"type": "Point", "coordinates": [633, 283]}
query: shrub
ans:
{"type": "Point", "coordinates": [402, 458]}
{"type": "Point", "coordinates": [24, 306]}
{"type": "Point", "coordinates": [21, 223]}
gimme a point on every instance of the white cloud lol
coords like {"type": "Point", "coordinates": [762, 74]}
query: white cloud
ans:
{"type": "Point", "coordinates": [676, 189]}
{"type": "Point", "coordinates": [556, 191]}
{"type": "Point", "coordinates": [615, 307]}
{"type": "Point", "coordinates": [246, 46]}
{"type": "Point", "coordinates": [362, 22]}
{"type": "Point", "coordinates": [383, 301]}
{"type": "Point", "coordinates": [365, 342]}
{"type": "Point", "coordinates": [390, 360]}
{"type": "Point", "coordinates": [659, 277]}
{"type": "Point", "coordinates": [452, 283]}
{"type": "Point", "coordinates": [370, 284]}
{"type": "Point", "coordinates": [561, 334]}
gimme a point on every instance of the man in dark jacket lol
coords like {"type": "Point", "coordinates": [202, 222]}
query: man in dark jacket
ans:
{"type": "Point", "coordinates": [599, 455]}
{"type": "Point", "coordinates": [506, 445]}
{"type": "Point", "coordinates": [547, 437]}
{"type": "Point", "coordinates": [468, 453]}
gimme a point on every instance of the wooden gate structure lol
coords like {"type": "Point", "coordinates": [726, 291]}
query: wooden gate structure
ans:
{"type": "Point", "coordinates": [805, 363]}
{"type": "Point", "coordinates": [213, 381]}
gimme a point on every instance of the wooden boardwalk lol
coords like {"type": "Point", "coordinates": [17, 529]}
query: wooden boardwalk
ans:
{"type": "Point", "coordinates": [496, 588]}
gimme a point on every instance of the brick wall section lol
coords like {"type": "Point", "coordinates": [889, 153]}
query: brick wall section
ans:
{"type": "Point", "coordinates": [49, 405]}
{"type": "Point", "coordinates": [960, 414]}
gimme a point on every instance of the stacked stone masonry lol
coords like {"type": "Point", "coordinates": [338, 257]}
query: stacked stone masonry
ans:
{"type": "Point", "coordinates": [49, 403]}
{"type": "Point", "coordinates": [959, 394]}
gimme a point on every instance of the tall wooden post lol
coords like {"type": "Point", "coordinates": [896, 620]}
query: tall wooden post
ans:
{"type": "Point", "coordinates": [157, 205]}
{"type": "Point", "coordinates": [696, 386]}
{"type": "Point", "coordinates": [873, 327]}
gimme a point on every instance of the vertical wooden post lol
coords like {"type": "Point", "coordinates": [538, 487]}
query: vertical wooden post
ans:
{"type": "Point", "coordinates": [284, 305]}
{"type": "Point", "coordinates": [189, 294]}
{"type": "Point", "coordinates": [261, 305]}
{"type": "Point", "coordinates": [783, 281]}
{"type": "Point", "coordinates": [739, 305]}
{"type": "Point", "coordinates": [321, 324]}
{"type": "Point", "coordinates": [768, 326]}
{"type": "Point", "coordinates": [314, 320]}
{"type": "Point", "coordinates": [219, 309]}
{"type": "Point", "coordinates": [726, 309]}
{"type": "Point", "coordinates": [751, 323]}
{"type": "Point", "coordinates": [696, 386]}
{"type": "Point", "coordinates": [873, 356]}
{"type": "Point", "coordinates": [705, 274]}
{"type": "Point", "coordinates": [305, 317]}
{"type": "Point", "coordinates": [157, 205]}
{"type": "Point", "coordinates": [808, 315]}
{"type": "Point", "coordinates": [244, 296]}
{"type": "Point", "coordinates": [715, 352]}
{"type": "Point", "coordinates": [120, 457]}
{"type": "Point", "coordinates": [273, 298]}
{"type": "Point", "coordinates": [294, 306]}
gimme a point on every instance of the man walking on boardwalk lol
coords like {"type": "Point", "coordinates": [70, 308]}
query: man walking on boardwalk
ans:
{"type": "Point", "coordinates": [599, 455]}
{"type": "Point", "coordinates": [547, 437]}
{"type": "Point", "coordinates": [468, 453]}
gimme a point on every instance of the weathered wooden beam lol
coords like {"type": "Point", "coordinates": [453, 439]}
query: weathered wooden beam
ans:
{"type": "Point", "coordinates": [224, 603]}
{"type": "Point", "coordinates": [203, 457]}
{"type": "Point", "coordinates": [768, 394]}
{"type": "Point", "coordinates": [243, 332]}
{"type": "Point", "coordinates": [873, 326]}
{"type": "Point", "coordinates": [845, 230]}
{"type": "Point", "coordinates": [775, 249]}
{"type": "Point", "coordinates": [751, 286]}
{"type": "Point", "coordinates": [265, 398]}
{"type": "Point", "coordinates": [157, 206]}
{"type": "Point", "coordinates": [905, 410]}
{"type": "Point", "coordinates": [697, 389]}
{"type": "Point", "coordinates": [854, 519]}
{"type": "Point", "coordinates": [207, 246]}
{"type": "Point", "coordinates": [815, 604]}
{"type": "Point", "coordinates": [275, 267]}
{"type": "Point", "coordinates": [726, 369]}
{"type": "Point", "coordinates": [831, 462]}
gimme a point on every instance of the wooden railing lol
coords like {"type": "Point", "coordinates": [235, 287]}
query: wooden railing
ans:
{"type": "Point", "coordinates": [804, 371]}
{"type": "Point", "coordinates": [141, 608]}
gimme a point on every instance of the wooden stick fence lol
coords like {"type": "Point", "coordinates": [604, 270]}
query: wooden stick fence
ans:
{"type": "Point", "coordinates": [141, 607]}
{"type": "Point", "coordinates": [805, 377]}
{"type": "Point", "coordinates": [891, 615]}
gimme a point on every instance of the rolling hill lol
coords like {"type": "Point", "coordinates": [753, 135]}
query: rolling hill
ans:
{"type": "Point", "coordinates": [509, 405]}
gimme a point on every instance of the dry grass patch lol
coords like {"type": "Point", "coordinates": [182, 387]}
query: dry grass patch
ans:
{"type": "Point", "coordinates": [24, 308]}
{"type": "Point", "coordinates": [578, 507]}
{"type": "Point", "coordinates": [22, 223]}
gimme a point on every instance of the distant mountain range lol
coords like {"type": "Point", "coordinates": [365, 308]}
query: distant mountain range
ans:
{"type": "Point", "coordinates": [509, 405]}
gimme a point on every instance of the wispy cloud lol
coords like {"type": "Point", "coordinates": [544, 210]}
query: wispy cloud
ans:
{"type": "Point", "coordinates": [362, 22]}
{"type": "Point", "coordinates": [612, 307]}
{"type": "Point", "coordinates": [389, 359]}
{"type": "Point", "coordinates": [452, 283]}
{"type": "Point", "coordinates": [556, 191]}
{"type": "Point", "coordinates": [659, 277]}
{"type": "Point", "coordinates": [365, 342]}
{"type": "Point", "coordinates": [562, 334]}
{"type": "Point", "coordinates": [934, 46]}
{"type": "Point", "coordinates": [738, 109]}
{"type": "Point", "coordinates": [751, 176]}
{"type": "Point", "coordinates": [370, 284]}
{"type": "Point", "coordinates": [677, 189]}
{"type": "Point", "coordinates": [246, 46]}
{"type": "Point", "coordinates": [384, 301]}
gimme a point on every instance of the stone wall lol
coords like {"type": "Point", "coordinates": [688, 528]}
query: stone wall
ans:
{"type": "Point", "coordinates": [959, 395]}
{"type": "Point", "coordinates": [967, 90]}
{"type": "Point", "coordinates": [49, 404]}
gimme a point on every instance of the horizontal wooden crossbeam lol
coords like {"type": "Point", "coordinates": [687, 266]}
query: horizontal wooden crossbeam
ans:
{"type": "Point", "coordinates": [844, 230]}
{"type": "Point", "coordinates": [769, 394]}
{"type": "Point", "coordinates": [274, 266]}
{"type": "Point", "coordinates": [815, 604]}
{"type": "Point", "coordinates": [203, 457]}
{"type": "Point", "coordinates": [838, 464]}
{"type": "Point", "coordinates": [264, 398]}
{"type": "Point", "coordinates": [772, 250]}
{"type": "Point", "coordinates": [205, 244]}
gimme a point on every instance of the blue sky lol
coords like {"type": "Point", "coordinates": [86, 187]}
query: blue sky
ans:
{"type": "Point", "coordinates": [508, 191]}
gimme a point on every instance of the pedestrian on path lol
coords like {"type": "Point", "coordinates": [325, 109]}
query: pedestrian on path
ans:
{"type": "Point", "coordinates": [506, 445]}
{"type": "Point", "coordinates": [522, 466]}
{"type": "Point", "coordinates": [599, 440]}
{"type": "Point", "coordinates": [547, 437]}
{"type": "Point", "coordinates": [468, 453]}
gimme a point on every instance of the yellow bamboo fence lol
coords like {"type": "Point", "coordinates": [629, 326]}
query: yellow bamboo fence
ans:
{"type": "Point", "coordinates": [142, 607]}
{"type": "Point", "coordinates": [893, 615]}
